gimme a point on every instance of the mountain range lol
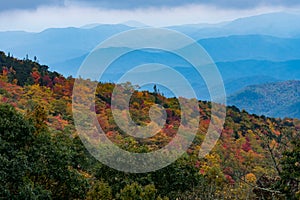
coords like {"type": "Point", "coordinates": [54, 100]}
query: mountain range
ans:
{"type": "Point", "coordinates": [257, 50]}
{"type": "Point", "coordinates": [274, 35]}
{"type": "Point", "coordinates": [278, 24]}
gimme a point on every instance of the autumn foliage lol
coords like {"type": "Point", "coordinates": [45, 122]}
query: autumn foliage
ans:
{"type": "Point", "coordinates": [246, 163]}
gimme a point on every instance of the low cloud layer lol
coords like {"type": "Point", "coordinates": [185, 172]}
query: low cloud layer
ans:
{"type": "Point", "coordinates": [231, 4]}
{"type": "Point", "coordinates": [137, 4]}
{"type": "Point", "coordinates": [49, 17]}
{"type": "Point", "coordinates": [37, 15]}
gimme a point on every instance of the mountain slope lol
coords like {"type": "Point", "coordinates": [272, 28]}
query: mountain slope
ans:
{"type": "Point", "coordinates": [57, 44]}
{"type": "Point", "coordinates": [271, 99]}
{"type": "Point", "coordinates": [256, 50]}
{"type": "Point", "coordinates": [273, 24]}
{"type": "Point", "coordinates": [236, 74]}
{"type": "Point", "coordinates": [258, 47]}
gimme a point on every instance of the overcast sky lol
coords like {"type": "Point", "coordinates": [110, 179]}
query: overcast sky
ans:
{"type": "Point", "coordinates": [36, 15]}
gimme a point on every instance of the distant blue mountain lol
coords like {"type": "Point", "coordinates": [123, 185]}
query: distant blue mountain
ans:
{"type": "Point", "coordinates": [272, 24]}
{"type": "Point", "coordinates": [239, 74]}
{"type": "Point", "coordinates": [226, 49]}
{"type": "Point", "coordinates": [236, 74]}
{"type": "Point", "coordinates": [285, 70]}
{"type": "Point", "coordinates": [256, 47]}
{"type": "Point", "coordinates": [57, 44]}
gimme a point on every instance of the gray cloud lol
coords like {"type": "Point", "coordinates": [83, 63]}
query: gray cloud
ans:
{"type": "Point", "coordinates": [237, 4]}
{"type": "Point", "coordinates": [134, 4]}
{"type": "Point", "coordinates": [242, 4]}
{"type": "Point", "coordinates": [6, 5]}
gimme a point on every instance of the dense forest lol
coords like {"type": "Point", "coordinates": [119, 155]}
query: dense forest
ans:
{"type": "Point", "coordinates": [269, 99]}
{"type": "Point", "coordinates": [42, 156]}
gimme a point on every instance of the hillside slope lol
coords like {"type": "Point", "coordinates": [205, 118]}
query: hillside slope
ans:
{"type": "Point", "coordinates": [43, 157]}
{"type": "Point", "coordinates": [272, 99]}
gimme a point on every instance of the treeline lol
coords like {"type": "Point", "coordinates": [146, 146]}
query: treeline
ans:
{"type": "Point", "coordinates": [26, 72]}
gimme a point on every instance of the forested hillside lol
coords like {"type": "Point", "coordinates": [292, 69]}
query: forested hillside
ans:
{"type": "Point", "coordinates": [42, 156]}
{"type": "Point", "coordinates": [271, 99]}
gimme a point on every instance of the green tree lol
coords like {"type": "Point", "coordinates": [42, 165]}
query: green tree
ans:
{"type": "Point", "coordinates": [99, 191]}
{"type": "Point", "coordinates": [135, 191]}
{"type": "Point", "coordinates": [16, 137]}
{"type": "Point", "coordinates": [290, 175]}
{"type": "Point", "coordinates": [36, 165]}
